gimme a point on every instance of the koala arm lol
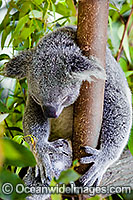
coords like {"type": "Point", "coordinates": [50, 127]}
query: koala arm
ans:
{"type": "Point", "coordinates": [114, 136]}
{"type": "Point", "coordinates": [116, 125]}
{"type": "Point", "coordinates": [34, 122]}
{"type": "Point", "coordinates": [48, 154]}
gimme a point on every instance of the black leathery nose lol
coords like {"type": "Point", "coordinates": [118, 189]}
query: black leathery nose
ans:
{"type": "Point", "coordinates": [50, 112]}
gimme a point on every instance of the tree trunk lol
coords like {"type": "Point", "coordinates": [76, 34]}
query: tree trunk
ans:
{"type": "Point", "coordinates": [88, 109]}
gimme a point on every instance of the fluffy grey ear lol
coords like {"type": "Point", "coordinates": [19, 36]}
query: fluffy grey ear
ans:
{"type": "Point", "coordinates": [82, 67]}
{"type": "Point", "coordinates": [88, 69]}
{"type": "Point", "coordinates": [17, 67]}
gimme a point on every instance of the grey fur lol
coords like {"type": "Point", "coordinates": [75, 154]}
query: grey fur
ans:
{"type": "Point", "coordinates": [55, 69]}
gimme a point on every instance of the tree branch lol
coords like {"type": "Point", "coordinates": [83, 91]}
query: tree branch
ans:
{"type": "Point", "coordinates": [124, 32]}
{"type": "Point", "coordinates": [88, 109]}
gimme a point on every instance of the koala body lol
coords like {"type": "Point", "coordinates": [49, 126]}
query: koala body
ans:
{"type": "Point", "coordinates": [55, 69]}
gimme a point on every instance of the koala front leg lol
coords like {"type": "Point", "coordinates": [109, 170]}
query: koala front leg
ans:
{"type": "Point", "coordinates": [115, 132]}
{"type": "Point", "coordinates": [38, 126]}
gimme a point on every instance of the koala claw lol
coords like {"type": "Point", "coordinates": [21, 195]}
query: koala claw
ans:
{"type": "Point", "coordinates": [43, 167]}
{"type": "Point", "coordinates": [57, 151]}
{"type": "Point", "coordinates": [94, 175]}
{"type": "Point", "coordinates": [37, 169]}
{"type": "Point", "coordinates": [91, 150]}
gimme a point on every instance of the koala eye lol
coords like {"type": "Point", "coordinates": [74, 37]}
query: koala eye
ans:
{"type": "Point", "coordinates": [66, 100]}
{"type": "Point", "coordinates": [36, 100]}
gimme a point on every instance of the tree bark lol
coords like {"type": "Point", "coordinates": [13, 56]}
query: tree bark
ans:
{"type": "Point", "coordinates": [88, 109]}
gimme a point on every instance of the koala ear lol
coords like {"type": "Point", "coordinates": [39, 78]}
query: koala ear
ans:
{"type": "Point", "coordinates": [17, 67]}
{"type": "Point", "coordinates": [88, 69]}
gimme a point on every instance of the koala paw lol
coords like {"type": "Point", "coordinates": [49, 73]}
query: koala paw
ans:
{"type": "Point", "coordinates": [100, 164]}
{"type": "Point", "coordinates": [52, 158]}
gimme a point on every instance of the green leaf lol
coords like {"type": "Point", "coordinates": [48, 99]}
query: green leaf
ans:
{"type": "Point", "coordinates": [18, 139]}
{"type": "Point", "coordinates": [111, 6]}
{"type": "Point", "coordinates": [125, 41]}
{"type": "Point", "coordinates": [68, 176]}
{"type": "Point", "coordinates": [25, 8]}
{"type": "Point", "coordinates": [3, 116]}
{"type": "Point", "coordinates": [95, 198]}
{"type": "Point", "coordinates": [26, 144]}
{"type": "Point", "coordinates": [6, 20]}
{"type": "Point", "coordinates": [71, 6]}
{"type": "Point", "coordinates": [113, 35]}
{"type": "Point", "coordinates": [53, 9]}
{"type": "Point", "coordinates": [16, 128]}
{"type": "Point", "coordinates": [26, 32]}
{"type": "Point", "coordinates": [110, 23]}
{"type": "Point", "coordinates": [38, 2]}
{"type": "Point", "coordinates": [129, 73]}
{"type": "Point", "coordinates": [35, 14]}
{"type": "Point", "coordinates": [19, 27]}
{"type": "Point", "coordinates": [16, 154]}
{"type": "Point", "coordinates": [75, 162]}
{"type": "Point", "coordinates": [4, 57]}
{"type": "Point", "coordinates": [124, 8]}
{"type": "Point", "coordinates": [46, 7]}
{"type": "Point", "coordinates": [0, 3]}
{"type": "Point", "coordinates": [5, 33]}
{"type": "Point", "coordinates": [120, 197]}
{"type": "Point", "coordinates": [3, 107]}
{"type": "Point", "coordinates": [123, 64]}
{"type": "Point", "coordinates": [63, 9]}
{"type": "Point", "coordinates": [56, 197]}
{"type": "Point", "coordinates": [10, 181]}
{"type": "Point", "coordinates": [53, 183]}
{"type": "Point", "coordinates": [130, 142]}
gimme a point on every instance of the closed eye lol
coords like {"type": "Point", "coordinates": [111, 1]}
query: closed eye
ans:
{"type": "Point", "coordinates": [36, 100]}
{"type": "Point", "coordinates": [66, 100]}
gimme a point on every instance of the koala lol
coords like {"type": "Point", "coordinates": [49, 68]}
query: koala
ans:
{"type": "Point", "coordinates": [55, 70]}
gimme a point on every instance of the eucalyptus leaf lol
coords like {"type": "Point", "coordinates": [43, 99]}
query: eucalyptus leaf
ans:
{"type": "Point", "coordinates": [130, 142]}
{"type": "Point", "coordinates": [38, 2]}
{"type": "Point", "coordinates": [10, 180]}
{"type": "Point", "coordinates": [17, 154]}
{"type": "Point", "coordinates": [63, 10]}
{"type": "Point", "coordinates": [0, 3]}
{"type": "Point", "coordinates": [129, 73]}
{"type": "Point", "coordinates": [6, 20]}
{"type": "Point", "coordinates": [19, 27]}
{"type": "Point", "coordinates": [35, 14]}
{"type": "Point", "coordinates": [68, 176]}
{"type": "Point", "coordinates": [70, 4]}
{"type": "Point", "coordinates": [3, 107]}
{"type": "Point", "coordinates": [18, 139]}
{"type": "Point", "coordinates": [5, 33]}
{"type": "Point", "coordinates": [125, 41]}
{"type": "Point", "coordinates": [4, 57]}
{"type": "Point", "coordinates": [3, 116]}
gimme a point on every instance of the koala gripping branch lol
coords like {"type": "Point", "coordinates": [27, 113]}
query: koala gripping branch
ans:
{"type": "Point", "coordinates": [88, 109]}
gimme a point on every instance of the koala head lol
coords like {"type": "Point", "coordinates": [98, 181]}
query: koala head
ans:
{"type": "Point", "coordinates": [54, 69]}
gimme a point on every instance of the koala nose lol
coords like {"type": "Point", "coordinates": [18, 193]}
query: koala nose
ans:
{"type": "Point", "coordinates": [50, 112]}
